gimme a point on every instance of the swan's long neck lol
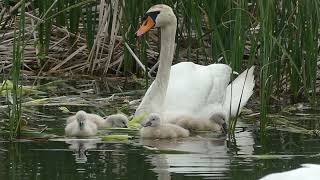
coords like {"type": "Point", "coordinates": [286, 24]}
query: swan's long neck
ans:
{"type": "Point", "coordinates": [155, 96]}
{"type": "Point", "coordinates": [166, 57]}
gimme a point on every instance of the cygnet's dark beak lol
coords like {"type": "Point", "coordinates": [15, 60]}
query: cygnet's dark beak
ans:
{"type": "Point", "coordinates": [81, 124]}
{"type": "Point", "coordinates": [147, 124]}
{"type": "Point", "coordinates": [125, 126]}
{"type": "Point", "coordinates": [224, 128]}
{"type": "Point", "coordinates": [220, 120]}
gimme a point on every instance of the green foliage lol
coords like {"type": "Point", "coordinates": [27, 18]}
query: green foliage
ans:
{"type": "Point", "coordinates": [44, 29]}
{"type": "Point", "coordinates": [115, 137]}
{"type": "Point", "coordinates": [16, 92]}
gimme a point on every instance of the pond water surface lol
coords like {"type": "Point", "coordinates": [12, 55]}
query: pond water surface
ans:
{"type": "Point", "coordinates": [201, 156]}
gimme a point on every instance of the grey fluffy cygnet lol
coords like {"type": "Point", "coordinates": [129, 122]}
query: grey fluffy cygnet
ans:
{"type": "Point", "coordinates": [219, 119]}
{"type": "Point", "coordinates": [154, 129]}
{"type": "Point", "coordinates": [81, 126]}
{"type": "Point", "coordinates": [216, 122]}
{"type": "Point", "coordinates": [115, 120]}
{"type": "Point", "coordinates": [195, 124]}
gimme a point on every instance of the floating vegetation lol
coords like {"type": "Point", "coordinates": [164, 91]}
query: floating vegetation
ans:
{"type": "Point", "coordinates": [115, 137]}
{"type": "Point", "coordinates": [292, 125]}
{"type": "Point", "coordinates": [135, 122]}
{"type": "Point", "coordinates": [276, 156]}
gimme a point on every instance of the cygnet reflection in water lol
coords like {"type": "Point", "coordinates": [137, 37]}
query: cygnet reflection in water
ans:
{"type": "Point", "coordinates": [80, 148]}
{"type": "Point", "coordinates": [209, 153]}
{"type": "Point", "coordinates": [193, 155]}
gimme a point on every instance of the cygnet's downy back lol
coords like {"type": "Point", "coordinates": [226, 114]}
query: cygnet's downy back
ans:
{"type": "Point", "coordinates": [116, 120]}
{"type": "Point", "coordinates": [81, 126]}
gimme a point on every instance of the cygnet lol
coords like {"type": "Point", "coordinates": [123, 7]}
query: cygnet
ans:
{"type": "Point", "coordinates": [154, 129]}
{"type": "Point", "coordinates": [81, 126]}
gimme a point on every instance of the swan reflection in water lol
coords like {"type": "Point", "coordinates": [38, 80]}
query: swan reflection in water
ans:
{"type": "Point", "coordinates": [80, 148]}
{"type": "Point", "coordinates": [201, 156]}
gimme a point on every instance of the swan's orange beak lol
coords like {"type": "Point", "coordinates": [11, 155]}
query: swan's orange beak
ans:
{"type": "Point", "coordinates": [145, 26]}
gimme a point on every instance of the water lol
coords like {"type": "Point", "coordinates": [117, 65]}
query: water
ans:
{"type": "Point", "coordinates": [202, 156]}
{"type": "Point", "coordinates": [206, 156]}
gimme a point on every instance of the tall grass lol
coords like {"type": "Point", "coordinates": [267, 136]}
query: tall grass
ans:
{"type": "Point", "coordinates": [17, 61]}
{"type": "Point", "coordinates": [289, 38]}
{"type": "Point", "coordinates": [14, 90]}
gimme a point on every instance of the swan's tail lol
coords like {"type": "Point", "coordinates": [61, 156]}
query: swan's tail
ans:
{"type": "Point", "coordinates": [240, 90]}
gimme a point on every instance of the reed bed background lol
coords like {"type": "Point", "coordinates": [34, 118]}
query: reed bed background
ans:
{"type": "Point", "coordinates": [280, 37]}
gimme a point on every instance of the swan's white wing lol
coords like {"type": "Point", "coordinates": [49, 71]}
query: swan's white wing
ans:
{"type": "Point", "coordinates": [241, 90]}
{"type": "Point", "coordinates": [193, 87]}
{"type": "Point", "coordinates": [306, 172]}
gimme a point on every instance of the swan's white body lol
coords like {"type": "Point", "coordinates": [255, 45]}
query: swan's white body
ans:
{"type": "Point", "coordinates": [189, 89]}
{"type": "Point", "coordinates": [306, 172]}
{"type": "Point", "coordinates": [161, 130]}
{"type": "Point", "coordinates": [81, 126]}
{"type": "Point", "coordinates": [114, 120]}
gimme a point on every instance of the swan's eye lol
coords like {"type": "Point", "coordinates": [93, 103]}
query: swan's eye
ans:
{"type": "Point", "coordinates": [153, 15]}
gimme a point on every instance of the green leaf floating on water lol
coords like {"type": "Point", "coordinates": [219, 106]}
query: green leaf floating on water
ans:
{"type": "Point", "coordinates": [276, 156]}
{"type": "Point", "coordinates": [135, 122]}
{"type": "Point", "coordinates": [116, 137]}
{"type": "Point", "coordinates": [166, 151]}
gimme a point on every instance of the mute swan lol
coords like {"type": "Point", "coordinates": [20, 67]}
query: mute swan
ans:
{"type": "Point", "coordinates": [81, 126]}
{"type": "Point", "coordinates": [115, 120]}
{"type": "Point", "coordinates": [306, 172]}
{"type": "Point", "coordinates": [189, 89]}
{"type": "Point", "coordinates": [156, 130]}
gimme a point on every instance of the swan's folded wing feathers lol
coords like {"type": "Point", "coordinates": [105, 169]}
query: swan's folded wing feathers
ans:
{"type": "Point", "coordinates": [220, 80]}
{"type": "Point", "coordinates": [192, 86]}
{"type": "Point", "coordinates": [241, 90]}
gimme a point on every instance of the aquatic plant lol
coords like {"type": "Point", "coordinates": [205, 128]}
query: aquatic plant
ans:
{"type": "Point", "coordinates": [14, 106]}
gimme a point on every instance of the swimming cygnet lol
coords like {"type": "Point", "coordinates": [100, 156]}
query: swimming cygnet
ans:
{"type": "Point", "coordinates": [115, 120]}
{"type": "Point", "coordinates": [154, 129]}
{"type": "Point", "coordinates": [199, 124]}
{"type": "Point", "coordinates": [81, 126]}
{"type": "Point", "coordinates": [219, 119]}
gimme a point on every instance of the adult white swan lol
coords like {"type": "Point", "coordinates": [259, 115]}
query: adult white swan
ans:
{"type": "Point", "coordinates": [188, 89]}
{"type": "Point", "coordinates": [306, 172]}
